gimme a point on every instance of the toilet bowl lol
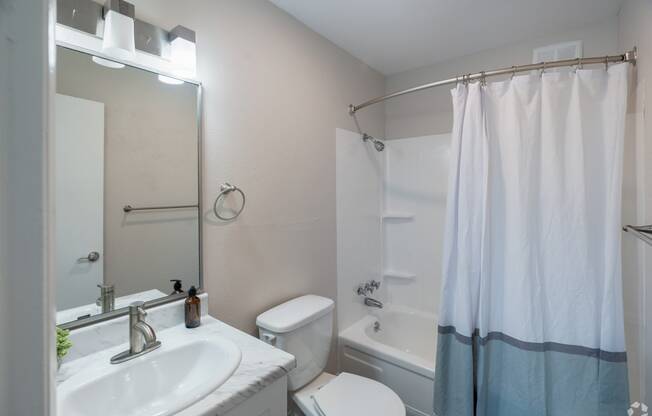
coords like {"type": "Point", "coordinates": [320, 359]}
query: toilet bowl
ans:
{"type": "Point", "coordinates": [303, 327]}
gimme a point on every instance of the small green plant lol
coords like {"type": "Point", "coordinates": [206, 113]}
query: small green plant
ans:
{"type": "Point", "coordinates": [63, 343]}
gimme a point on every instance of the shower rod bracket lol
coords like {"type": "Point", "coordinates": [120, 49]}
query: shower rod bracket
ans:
{"type": "Point", "coordinates": [642, 232]}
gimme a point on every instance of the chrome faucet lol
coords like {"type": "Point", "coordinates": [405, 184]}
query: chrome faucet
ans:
{"type": "Point", "coordinates": [107, 298]}
{"type": "Point", "coordinates": [142, 338]}
{"type": "Point", "coordinates": [373, 303]}
{"type": "Point", "coordinates": [365, 289]}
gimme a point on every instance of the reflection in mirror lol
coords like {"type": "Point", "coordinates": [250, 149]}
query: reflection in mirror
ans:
{"type": "Point", "coordinates": [122, 138]}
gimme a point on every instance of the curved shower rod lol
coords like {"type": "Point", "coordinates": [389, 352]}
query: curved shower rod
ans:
{"type": "Point", "coordinates": [629, 56]}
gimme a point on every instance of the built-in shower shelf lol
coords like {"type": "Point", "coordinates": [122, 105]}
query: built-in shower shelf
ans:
{"type": "Point", "coordinates": [393, 274]}
{"type": "Point", "coordinates": [403, 216]}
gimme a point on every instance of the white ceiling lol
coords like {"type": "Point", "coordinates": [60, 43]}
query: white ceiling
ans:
{"type": "Point", "coordinates": [396, 35]}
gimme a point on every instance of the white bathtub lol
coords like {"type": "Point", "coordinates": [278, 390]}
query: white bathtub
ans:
{"type": "Point", "coordinates": [401, 354]}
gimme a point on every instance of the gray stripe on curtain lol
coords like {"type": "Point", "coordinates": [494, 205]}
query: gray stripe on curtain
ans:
{"type": "Point", "coordinates": [499, 379]}
{"type": "Point", "coordinates": [614, 357]}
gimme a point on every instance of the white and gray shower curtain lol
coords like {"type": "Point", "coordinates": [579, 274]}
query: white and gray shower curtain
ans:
{"type": "Point", "coordinates": [531, 319]}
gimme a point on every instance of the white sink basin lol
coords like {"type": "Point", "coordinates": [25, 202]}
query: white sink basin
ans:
{"type": "Point", "coordinates": [159, 383]}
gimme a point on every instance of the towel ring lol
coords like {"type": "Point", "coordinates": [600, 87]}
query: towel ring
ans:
{"type": "Point", "coordinates": [225, 189]}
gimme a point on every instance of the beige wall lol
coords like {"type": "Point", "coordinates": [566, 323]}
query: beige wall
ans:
{"type": "Point", "coordinates": [431, 112]}
{"type": "Point", "coordinates": [635, 29]}
{"type": "Point", "coordinates": [150, 159]}
{"type": "Point", "coordinates": [274, 94]}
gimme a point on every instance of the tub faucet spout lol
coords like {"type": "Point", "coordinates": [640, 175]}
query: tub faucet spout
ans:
{"type": "Point", "coordinates": [373, 303]}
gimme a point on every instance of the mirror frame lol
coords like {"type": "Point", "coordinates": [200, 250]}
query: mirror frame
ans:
{"type": "Point", "coordinates": [102, 317]}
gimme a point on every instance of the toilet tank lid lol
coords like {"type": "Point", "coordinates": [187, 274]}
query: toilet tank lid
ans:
{"type": "Point", "coordinates": [294, 313]}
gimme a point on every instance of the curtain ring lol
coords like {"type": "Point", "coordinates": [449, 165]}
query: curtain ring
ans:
{"type": "Point", "coordinates": [543, 70]}
{"type": "Point", "coordinates": [483, 78]}
{"type": "Point", "coordinates": [606, 63]}
{"type": "Point", "coordinates": [514, 71]}
{"type": "Point", "coordinates": [581, 63]}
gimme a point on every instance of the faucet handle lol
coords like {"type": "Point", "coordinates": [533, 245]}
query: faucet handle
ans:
{"type": "Point", "coordinates": [138, 307]}
{"type": "Point", "coordinates": [363, 289]}
{"type": "Point", "coordinates": [106, 286]}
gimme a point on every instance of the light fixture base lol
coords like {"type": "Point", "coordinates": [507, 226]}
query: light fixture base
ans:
{"type": "Point", "coordinates": [120, 6]}
{"type": "Point", "coordinates": [183, 33]}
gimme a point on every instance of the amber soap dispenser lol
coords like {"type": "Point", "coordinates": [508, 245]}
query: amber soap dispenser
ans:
{"type": "Point", "coordinates": [193, 309]}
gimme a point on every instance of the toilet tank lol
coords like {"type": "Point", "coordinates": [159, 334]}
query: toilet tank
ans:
{"type": "Point", "coordinates": [304, 328]}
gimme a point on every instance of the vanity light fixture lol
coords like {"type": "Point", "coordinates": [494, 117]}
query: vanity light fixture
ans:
{"type": "Point", "coordinates": [169, 80]}
{"type": "Point", "coordinates": [107, 63]}
{"type": "Point", "coordinates": [119, 39]}
{"type": "Point", "coordinates": [183, 52]}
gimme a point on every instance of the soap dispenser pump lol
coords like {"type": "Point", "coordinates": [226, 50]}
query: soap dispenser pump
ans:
{"type": "Point", "coordinates": [192, 309]}
{"type": "Point", "coordinates": [177, 288]}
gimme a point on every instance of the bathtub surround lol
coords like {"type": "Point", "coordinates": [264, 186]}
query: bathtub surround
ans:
{"type": "Point", "coordinates": [359, 172]}
{"type": "Point", "coordinates": [390, 221]}
{"type": "Point", "coordinates": [533, 238]}
{"type": "Point", "coordinates": [415, 192]}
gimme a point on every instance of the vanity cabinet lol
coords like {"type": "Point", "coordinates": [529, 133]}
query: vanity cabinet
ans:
{"type": "Point", "coordinates": [271, 401]}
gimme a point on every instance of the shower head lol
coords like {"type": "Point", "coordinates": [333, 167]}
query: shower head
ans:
{"type": "Point", "coordinates": [380, 146]}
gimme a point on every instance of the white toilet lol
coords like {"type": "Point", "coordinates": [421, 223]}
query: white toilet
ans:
{"type": "Point", "coordinates": [304, 328]}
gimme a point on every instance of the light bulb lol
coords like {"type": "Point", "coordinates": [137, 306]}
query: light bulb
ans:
{"type": "Point", "coordinates": [107, 63]}
{"type": "Point", "coordinates": [169, 80]}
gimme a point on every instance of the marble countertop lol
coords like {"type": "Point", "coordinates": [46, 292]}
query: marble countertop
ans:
{"type": "Point", "coordinates": [261, 365]}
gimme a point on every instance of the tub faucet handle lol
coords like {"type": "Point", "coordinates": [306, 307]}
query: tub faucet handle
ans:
{"type": "Point", "coordinates": [364, 289]}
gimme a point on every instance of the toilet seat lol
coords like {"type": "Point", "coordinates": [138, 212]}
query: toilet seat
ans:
{"type": "Point", "coordinates": [348, 395]}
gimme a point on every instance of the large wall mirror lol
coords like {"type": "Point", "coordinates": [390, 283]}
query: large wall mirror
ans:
{"type": "Point", "coordinates": [127, 162]}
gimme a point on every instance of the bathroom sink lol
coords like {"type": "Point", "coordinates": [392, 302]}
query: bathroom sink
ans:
{"type": "Point", "coordinates": [159, 383]}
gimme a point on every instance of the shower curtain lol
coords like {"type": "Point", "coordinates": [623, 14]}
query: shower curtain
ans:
{"type": "Point", "coordinates": [531, 319]}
